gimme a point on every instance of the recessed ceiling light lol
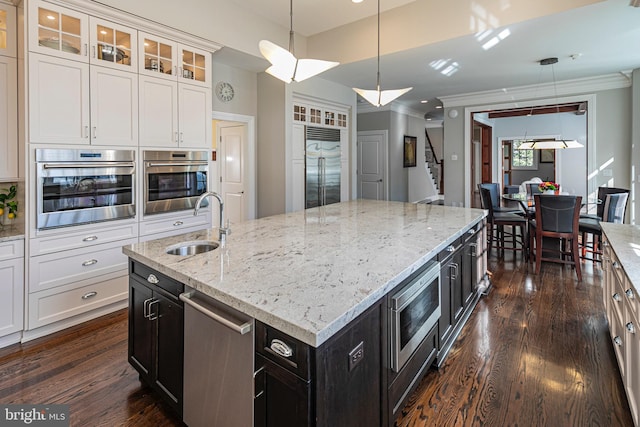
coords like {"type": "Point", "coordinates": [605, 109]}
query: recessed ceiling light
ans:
{"type": "Point", "coordinates": [424, 101]}
{"type": "Point", "coordinates": [438, 106]}
{"type": "Point", "coordinates": [356, 1]}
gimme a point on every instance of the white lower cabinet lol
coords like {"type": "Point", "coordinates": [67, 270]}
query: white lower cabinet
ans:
{"type": "Point", "coordinates": [11, 291]}
{"type": "Point", "coordinates": [174, 224]}
{"type": "Point", "coordinates": [76, 273]}
{"type": "Point", "coordinates": [622, 305]}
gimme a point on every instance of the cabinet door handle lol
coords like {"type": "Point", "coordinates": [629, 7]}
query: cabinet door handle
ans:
{"type": "Point", "coordinates": [617, 340]}
{"type": "Point", "coordinates": [145, 308]}
{"type": "Point", "coordinates": [176, 136]}
{"type": "Point", "coordinates": [86, 131]}
{"type": "Point", "coordinates": [89, 262]}
{"type": "Point", "coordinates": [153, 279]}
{"type": "Point", "coordinates": [95, 132]}
{"type": "Point", "coordinates": [86, 49]}
{"type": "Point", "coordinates": [178, 223]}
{"type": "Point", "coordinates": [616, 297]}
{"type": "Point", "coordinates": [93, 51]}
{"type": "Point", "coordinates": [90, 238]}
{"type": "Point", "coordinates": [629, 293]}
{"type": "Point", "coordinates": [89, 295]}
{"type": "Point", "coordinates": [454, 270]}
{"type": "Point", "coordinates": [152, 315]}
{"type": "Point", "coordinates": [281, 348]}
{"type": "Point", "coordinates": [181, 136]}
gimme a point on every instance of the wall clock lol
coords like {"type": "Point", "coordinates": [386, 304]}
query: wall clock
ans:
{"type": "Point", "coordinates": [224, 91]}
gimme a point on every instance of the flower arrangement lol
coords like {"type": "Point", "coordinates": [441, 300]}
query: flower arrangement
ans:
{"type": "Point", "coordinates": [548, 186]}
{"type": "Point", "coordinates": [8, 203]}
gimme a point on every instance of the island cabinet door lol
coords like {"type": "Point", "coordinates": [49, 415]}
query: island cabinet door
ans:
{"type": "Point", "coordinates": [169, 349]}
{"type": "Point", "coordinates": [141, 330]}
{"type": "Point", "coordinates": [281, 397]}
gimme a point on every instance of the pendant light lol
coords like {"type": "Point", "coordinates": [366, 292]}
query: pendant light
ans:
{"type": "Point", "coordinates": [380, 97]}
{"type": "Point", "coordinates": [285, 66]}
{"type": "Point", "coordinates": [550, 144]}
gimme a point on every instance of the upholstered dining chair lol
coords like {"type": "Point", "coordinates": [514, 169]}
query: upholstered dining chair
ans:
{"type": "Point", "coordinates": [494, 189]}
{"type": "Point", "coordinates": [613, 210]}
{"type": "Point", "coordinates": [497, 221]}
{"type": "Point", "coordinates": [602, 195]}
{"type": "Point", "coordinates": [554, 231]}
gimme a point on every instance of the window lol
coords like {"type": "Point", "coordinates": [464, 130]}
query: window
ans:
{"type": "Point", "coordinates": [523, 159]}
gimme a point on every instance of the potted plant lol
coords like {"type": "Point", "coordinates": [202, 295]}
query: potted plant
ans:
{"type": "Point", "coordinates": [8, 206]}
{"type": "Point", "coordinates": [548, 187]}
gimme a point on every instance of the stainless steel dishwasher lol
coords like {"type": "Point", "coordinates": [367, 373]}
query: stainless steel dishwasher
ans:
{"type": "Point", "coordinates": [218, 363]}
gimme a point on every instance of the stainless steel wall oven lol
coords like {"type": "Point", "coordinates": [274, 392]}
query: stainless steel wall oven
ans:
{"type": "Point", "coordinates": [413, 311]}
{"type": "Point", "coordinates": [83, 186]}
{"type": "Point", "coordinates": [173, 180]}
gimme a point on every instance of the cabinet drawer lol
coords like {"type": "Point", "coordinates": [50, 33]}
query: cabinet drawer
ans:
{"type": "Point", "coordinates": [175, 225]}
{"type": "Point", "coordinates": [150, 276]}
{"type": "Point", "coordinates": [12, 249]}
{"type": "Point", "coordinates": [61, 268]}
{"type": "Point", "coordinates": [84, 239]}
{"type": "Point", "coordinates": [51, 306]}
{"type": "Point", "coordinates": [268, 338]}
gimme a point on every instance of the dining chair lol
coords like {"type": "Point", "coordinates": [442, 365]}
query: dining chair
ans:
{"type": "Point", "coordinates": [613, 210]}
{"type": "Point", "coordinates": [497, 221]}
{"type": "Point", "coordinates": [533, 188]}
{"type": "Point", "coordinates": [554, 231]}
{"type": "Point", "coordinates": [494, 189]}
{"type": "Point", "coordinates": [602, 194]}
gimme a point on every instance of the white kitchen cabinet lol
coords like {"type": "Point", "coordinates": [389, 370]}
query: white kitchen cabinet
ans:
{"type": "Point", "coordinates": [621, 308]}
{"type": "Point", "coordinates": [113, 45]}
{"type": "Point", "coordinates": [114, 107]}
{"type": "Point", "coordinates": [174, 115]}
{"type": "Point", "coordinates": [298, 167]}
{"type": "Point", "coordinates": [8, 33]}
{"type": "Point", "coordinates": [167, 59]}
{"type": "Point", "coordinates": [56, 30]}
{"type": "Point", "coordinates": [173, 224]}
{"type": "Point", "coordinates": [62, 111]}
{"type": "Point", "coordinates": [8, 118]}
{"type": "Point", "coordinates": [11, 288]}
{"type": "Point", "coordinates": [58, 100]}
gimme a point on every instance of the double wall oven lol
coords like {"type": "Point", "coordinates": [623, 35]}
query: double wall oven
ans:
{"type": "Point", "coordinates": [173, 180]}
{"type": "Point", "coordinates": [83, 186]}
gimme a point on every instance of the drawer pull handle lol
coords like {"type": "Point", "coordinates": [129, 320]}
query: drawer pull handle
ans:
{"type": "Point", "coordinates": [629, 293]}
{"type": "Point", "coordinates": [281, 348]}
{"type": "Point", "coordinates": [450, 248]}
{"type": "Point", "coordinates": [89, 262]}
{"type": "Point", "coordinates": [616, 297]}
{"type": "Point", "coordinates": [153, 279]}
{"type": "Point", "coordinates": [90, 239]}
{"type": "Point", "coordinates": [617, 340]}
{"type": "Point", "coordinates": [89, 295]}
{"type": "Point", "coordinates": [615, 264]}
{"type": "Point", "coordinates": [178, 223]}
{"type": "Point", "coordinates": [630, 327]}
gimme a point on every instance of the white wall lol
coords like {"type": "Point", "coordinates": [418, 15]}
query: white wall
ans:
{"type": "Point", "coordinates": [245, 84]}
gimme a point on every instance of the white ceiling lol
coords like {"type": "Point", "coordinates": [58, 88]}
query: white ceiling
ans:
{"type": "Point", "coordinates": [605, 37]}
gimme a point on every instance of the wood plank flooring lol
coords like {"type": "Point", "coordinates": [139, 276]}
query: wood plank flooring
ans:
{"type": "Point", "coordinates": [536, 351]}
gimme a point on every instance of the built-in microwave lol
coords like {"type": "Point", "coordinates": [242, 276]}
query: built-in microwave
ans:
{"type": "Point", "coordinates": [173, 180]}
{"type": "Point", "coordinates": [83, 186]}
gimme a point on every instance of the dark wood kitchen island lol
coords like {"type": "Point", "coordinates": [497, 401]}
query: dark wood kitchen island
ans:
{"type": "Point", "coordinates": [318, 286]}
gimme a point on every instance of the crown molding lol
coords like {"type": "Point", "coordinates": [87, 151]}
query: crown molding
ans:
{"type": "Point", "coordinates": [125, 18]}
{"type": "Point", "coordinates": [546, 90]}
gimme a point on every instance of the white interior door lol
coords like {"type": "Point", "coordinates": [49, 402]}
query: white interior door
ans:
{"type": "Point", "coordinates": [372, 158]}
{"type": "Point", "coordinates": [231, 153]}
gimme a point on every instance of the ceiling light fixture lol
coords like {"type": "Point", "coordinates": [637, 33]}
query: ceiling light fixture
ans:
{"type": "Point", "coordinates": [380, 97]}
{"type": "Point", "coordinates": [285, 66]}
{"type": "Point", "coordinates": [546, 144]}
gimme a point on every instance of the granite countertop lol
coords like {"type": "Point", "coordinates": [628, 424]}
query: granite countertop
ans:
{"type": "Point", "coordinates": [10, 233]}
{"type": "Point", "coordinates": [625, 242]}
{"type": "Point", "coordinates": [309, 273]}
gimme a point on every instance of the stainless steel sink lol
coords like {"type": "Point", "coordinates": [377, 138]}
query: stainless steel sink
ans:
{"type": "Point", "coordinates": [192, 248]}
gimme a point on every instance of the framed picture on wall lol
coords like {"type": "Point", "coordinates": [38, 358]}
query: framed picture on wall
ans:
{"type": "Point", "coordinates": [547, 156]}
{"type": "Point", "coordinates": [410, 143]}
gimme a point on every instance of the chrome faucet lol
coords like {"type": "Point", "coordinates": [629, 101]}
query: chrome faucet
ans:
{"type": "Point", "coordinates": [223, 232]}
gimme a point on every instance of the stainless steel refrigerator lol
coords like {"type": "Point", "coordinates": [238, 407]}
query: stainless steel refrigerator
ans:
{"type": "Point", "coordinates": [322, 166]}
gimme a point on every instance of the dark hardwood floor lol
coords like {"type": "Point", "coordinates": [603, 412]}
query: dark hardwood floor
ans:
{"type": "Point", "coordinates": [536, 351]}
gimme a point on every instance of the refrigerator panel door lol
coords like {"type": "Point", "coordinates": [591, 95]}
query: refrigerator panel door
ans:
{"type": "Point", "coordinates": [331, 152]}
{"type": "Point", "coordinates": [312, 185]}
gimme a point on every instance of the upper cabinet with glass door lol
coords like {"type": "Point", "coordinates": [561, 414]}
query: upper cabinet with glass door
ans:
{"type": "Point", "coordinates": [167, 59]}
{"type": "Point", "coordinates": [59, 31]}
{"type": "Point", "coordinates": [7, 30]}
{"type": "Point", "coordinates": [113, 45]}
